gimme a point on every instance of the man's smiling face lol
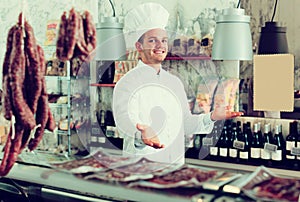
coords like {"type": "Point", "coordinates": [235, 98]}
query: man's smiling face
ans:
{"type": "Point", "coordinates": [153, 46]}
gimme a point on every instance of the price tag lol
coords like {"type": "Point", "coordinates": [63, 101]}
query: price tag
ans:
{"type": "Point", "coordinates": [238, 144]}
{"type": "Point", "coordinates": [270, 147]}
{"type": "Point", "coordinates": [295, 151]}
{"type": "Point", "coordinates": [208, 141]}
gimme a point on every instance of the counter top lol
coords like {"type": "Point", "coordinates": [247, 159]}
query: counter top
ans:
{"type": "Point", "coordinates": [62, 182]}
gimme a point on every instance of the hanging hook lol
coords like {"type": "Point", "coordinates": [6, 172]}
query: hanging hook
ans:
{"type": "Point", "coordinates": [113, 8]}
{"type": "Point", "coordinates": [238, 5]}
{"type": "Point", "coordinates": [274, 11]}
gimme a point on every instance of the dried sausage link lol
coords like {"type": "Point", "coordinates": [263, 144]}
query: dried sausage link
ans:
{"type": "Point", "coordinates": [17, 76]}
{"type": "Point", "coordinates": [6, 152]}
{"type": "Point", "coordinates": [61, 46]}
{"type": "Point", "coordinates": [90, 31]}
{"type": "Point", "coordinates": [14, 150]}
{"type": "Point", "coordinates": [72, 32]}
{"type": "Point", "coordinates": [41, 118]}
{"type": "Point", "coordinates": [33, 72]}
{"type": "Point", "coordinates": [5, 76]}
{"type": "Point", "coordinates": [51, 124]}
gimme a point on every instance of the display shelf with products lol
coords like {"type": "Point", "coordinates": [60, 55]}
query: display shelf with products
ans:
{"type": "Point", "coordinates": [68, 96]}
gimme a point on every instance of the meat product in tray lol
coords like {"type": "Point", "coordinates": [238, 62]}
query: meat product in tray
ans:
{"type": "Point", "coordinates": [266, 186]}
{"type": "Point", "coordinates": [139, 169]}
{"type": "Point", "coordinates": [186, 176]}
{"type": "Point", "coordinates": [92, 163]}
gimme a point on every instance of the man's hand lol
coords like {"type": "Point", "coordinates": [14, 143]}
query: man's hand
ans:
{"type": "Point", "coordinates": [221, 113]}
{"type": "Point", "coordinates": [149, 137]}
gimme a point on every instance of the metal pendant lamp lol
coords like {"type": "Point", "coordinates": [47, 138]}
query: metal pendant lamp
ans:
{"type": "Point", "coordinates": [232, 37]}
{"type": "Point", "coordinates": [273, 38]}
{"type": "Point", "coordinates": [110, 39]}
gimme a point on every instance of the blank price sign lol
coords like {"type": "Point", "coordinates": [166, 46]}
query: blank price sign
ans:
{"type": "Point", "coordinates": [273, 82]}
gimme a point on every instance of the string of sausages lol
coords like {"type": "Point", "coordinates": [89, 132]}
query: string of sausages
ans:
{"type": "Point", "coordinates": [76, 36]}
{"type": "Point", "coordinates": [25, 97]}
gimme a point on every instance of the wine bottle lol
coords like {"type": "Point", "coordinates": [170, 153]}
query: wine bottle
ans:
{"type": "Point", "coordinates": [194, 151]}
{"type": "Point", "coordinates": [105, 71]}
{"type": "Point", "coordinates": [297, 150]}
{"type": "Point", "coordinates": [197, 145]}
{"type": "Point", "coordinates": [101, 120]}
{"type": "Point", "coordinates": [259, 130]}
{"type": "Point", "coordinates": [277, 156]}
{"type": "Point", "coordinates": [256, 146]}
{"type": "Point", "coordinates": [291, 140]}
{"type": "Point", "coordinates": [213, 149]}
{"type": "Point", "coordinates": [206, 142]}
{"type": "Point", "coordinates": [244, 153]}
{"type": "Point", "coordinates": [232, 149]}
{"type": "Point", "coordinates": [267, 139]}
{"type": "Point", "coordinates": [223, 144]}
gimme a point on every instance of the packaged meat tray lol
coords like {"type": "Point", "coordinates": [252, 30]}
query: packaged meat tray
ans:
{"type": "Point", "coordinates": [186, 176]}
{"type": "Point", "coordinates": [95, 162]}
{"type": "Point", "coordinates": [266, 186]}
{"type": "Point", "coordinates": [139, 169]}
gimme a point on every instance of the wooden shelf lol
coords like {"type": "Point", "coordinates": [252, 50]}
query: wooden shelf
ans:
{"type": "Point", "coordinates": [103, 84]}
{"type": "Point", "coordinates": [200, 57]}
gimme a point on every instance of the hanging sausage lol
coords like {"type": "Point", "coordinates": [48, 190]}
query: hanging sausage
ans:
{"type": "Point", "coordinates": [25, 98]}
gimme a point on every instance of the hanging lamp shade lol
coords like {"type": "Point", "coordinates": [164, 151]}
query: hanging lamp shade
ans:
{"type": "Point", "coordinates": [110, 40]}
{"type": "Point", "coordinates": [232, 37]}
{"type": "Point", "coordinates": [272, 39]}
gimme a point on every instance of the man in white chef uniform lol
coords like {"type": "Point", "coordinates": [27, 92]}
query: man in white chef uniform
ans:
{"type": "Point", "coordinates": [150, 105]}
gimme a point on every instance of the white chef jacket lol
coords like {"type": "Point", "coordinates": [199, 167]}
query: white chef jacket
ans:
{"type": "Point", "coordinates": [159, 100]}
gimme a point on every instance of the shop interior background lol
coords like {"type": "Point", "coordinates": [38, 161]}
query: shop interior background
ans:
{"type": "Point", "coordinates": [191, 17]}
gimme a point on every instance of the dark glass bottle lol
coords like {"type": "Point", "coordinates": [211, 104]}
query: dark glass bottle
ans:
{"type": "Point", "coordinates": [291, 140]}
{"type": "Point", "coordinates": [244, 154]}
{"type": "Point", "coordinates": [256, 146]}
{"type": "Point", "coordinates": [194, 151]}
{"type": "Point", "coordinates": [206, 143]}
{"type": "Point", "coordinates": [277, 156]}
{"type": "Point", "coordinates": [267, 139]}
{"type": "Point", "coordinates": [259, 130]}
{"type": "Point", "coordinates": [233, 153]}
{"type": "Point", "coordinates": [101, 121]}
{"type": "Point", "coordinates": [298, 146]}
{"type": "Point", "coordinates": [223, 144]}
{"type": "Point", "coordinates": [105, 71]}
{"type": "Point", "coordinates": [213, 149]}
{"type": "Point", "coordinates": [197, 145]}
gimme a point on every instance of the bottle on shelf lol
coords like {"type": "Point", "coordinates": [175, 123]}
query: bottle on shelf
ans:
{"type": "Point", "coordinates": [256, 146]}
{"type": "Point", "coordinates": [297, 149]}
{"type": "Point", "coordinates": [223, 143]}
{"type": "Point", "coordinates": [244, 153]}
{"type": "Point", "coordinates": [291, 140]}
{"type": "Point", "coordinates": [267, 141]}
{"type": "Point", "coordinates": [206, 143]}
{"type": "Point", "coordinates": [110, 124]}
{"type": "Point", "coordinates": [101, 121]}
{"type": "Point", "coordinates": [277, 156]}
{"type": "Point", "coordinates": [194, 151]}
{"type": "Point", "coordinates": [213, 148]}
{"type": "Point", "coordinates": [191, 146]}
{"type": "Point", "coordinates": [233, 152]}
{"type": "Point", "coordinates": [105, 72]}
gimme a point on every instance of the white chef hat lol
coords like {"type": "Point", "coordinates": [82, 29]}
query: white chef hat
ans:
{"type": "Point", "coordinates": [142, 18]}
